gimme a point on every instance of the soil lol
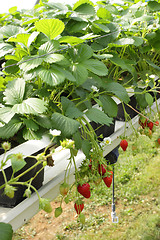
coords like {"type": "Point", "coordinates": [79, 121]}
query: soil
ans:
{"type": "Point", "coordinates": [44, 226]}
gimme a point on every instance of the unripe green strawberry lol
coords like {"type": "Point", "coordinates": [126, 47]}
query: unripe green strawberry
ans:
{"type": "Point", "coordinates": [6, 146]}
{"type": "Point", "coordinates": [45, 205]}
{"type": "Point", "coordinates": [82, 218]}
{"type": "Point", "coordinates": [64, 188]}
{"type": "Point", "coordinates": [58, 212]}
{"type": "Point", "coordinates": [9, 191]}
{"type": "Point", "coordinates": [27, 193]}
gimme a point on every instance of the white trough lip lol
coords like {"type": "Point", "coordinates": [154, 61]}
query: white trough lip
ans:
{"type": "Point", "coordinates": [27, 148]}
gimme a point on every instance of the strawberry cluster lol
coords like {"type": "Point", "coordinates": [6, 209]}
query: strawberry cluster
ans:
{"type": "Point", "coordinates": [147, 126]}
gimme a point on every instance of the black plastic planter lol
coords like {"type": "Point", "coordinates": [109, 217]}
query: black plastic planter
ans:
{"type": "Point", "coordinates": [104, 130]}
{"type": "Point", "coordinates": [18, 196]}
{"type": "Point", "coordinates": [129, 110]}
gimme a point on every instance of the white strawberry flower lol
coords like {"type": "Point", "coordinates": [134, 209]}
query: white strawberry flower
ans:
{"type": "Point", "coordinates": [55, 132]}
{"type": "Point", "coordinates": [106, 141]}
{"type": "Point", "coordinates": [94, 88]}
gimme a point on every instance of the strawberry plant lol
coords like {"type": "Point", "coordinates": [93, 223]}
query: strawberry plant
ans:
{"type": "Point", "coordinates": [63, 67]}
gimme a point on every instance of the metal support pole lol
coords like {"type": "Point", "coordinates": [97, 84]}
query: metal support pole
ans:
{"type": "Point", "coordinates": [113, 213]}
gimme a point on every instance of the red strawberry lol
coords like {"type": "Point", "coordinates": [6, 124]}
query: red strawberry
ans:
{"type": "Point", "coordinates": [79, 205]}
{"type": "Point", "coordinates": [101, 169]}
{"type": "Point", "coordinates": [150, 125]}
{"type": "Point", "coordinates": [108, 180]}
{"type": "Point", "coordinates": [157, 123]}
{"type": "Point", "coordinates": [90, 166]}
{"type": "Point", "coordinates": [124, 144]}
{"type": "Point", "coordinates": [143, 122]}
{"type": "Point", "coordinates": [84, 190]}
{"type": "Point", "coordinates": [157, 142]}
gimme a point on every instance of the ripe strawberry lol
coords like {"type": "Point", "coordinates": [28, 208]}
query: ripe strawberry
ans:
{"type": "Point", "coordinates": [124, 144]}
{"type": "Point", "coordinates": [101, 169]}
{"type": "Point", "coordinates": [79, 205]}
{"type": "Point", "coordinates": [108, 180]}
{"type": "Point", "coordinates": [150, 125]}
{"type": "Point", "coordinates": [64, 188]}
{"type": "Point", "coordinates": [143, 122]}
{"type": "Point", "coordinates": [84, 190]}
{"type": "Point", "coordinates": [157, 123]}
{"type": "Point", "coordinates": [157, 142]}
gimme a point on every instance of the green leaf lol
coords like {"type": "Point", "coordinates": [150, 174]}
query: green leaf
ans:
{"type": "Point", "coordinates": [140, 98]}
{"type": "Point", "coordinates": [67, 125]}
{"type": "Point", "coordinates": [50, 27]}
{"type": "Point", "coordinates": [6, 231]}
{"type": "Point", "coordinates": [49, 47]}
{"type": "Point", "coordinates": [122, 42]}
{"type": "Point", "coordinates": [32, 38]}
{"type": "Point", "coordinates": [71, 40]}
{"type": "Point", "coordinates": [6, 114]}
{"type": "Point", "coordinates": [77, 139]}
{"type": "Point", "coordinates": [84, 8]}
{"type": "Point", "coordinates": [70, 109]}
{"type": "Point", "coordinates": [138, 41]}
{"type": "Point", "coordinates": [30, 62]}
{"type": "Point", "coordinates": [104, 13]}
{"type": "Point", "coordinates": [149, 99]}
{"type": "Point", "coordinates": [68, 75]}
{"type": "Point", "coordinates": [10, 129]}
{"type": "Point", "coordinates": [10, 30]}
{"type": "Point", "coordinates": [80, 53]}
{"type": "Point", "coordinates": [12, 10]}
{"type": "Point", "coordinates": [31, 124]}
{"type": "Point", "coordinates": [96, 67]}
{"type": "Point", "coordinates": [30, 106]}
{"type": "Point", "coordinates": [20, 38]}
{"type": "Point", "coordinates": [17, 161]}
{"type": "Point", "coordinates": [121, 63]}
{"type": "Point", "coordinates": [52, 76]}
{"type": "Point", "coordinates": [14, 92]}
{"type": "Point", "coordinates": [118, 90]}
{"type": "Point", "coordinates": [43, 121]}
{"type": "Point", "coordinates": [98, 116]}
{"type": "Point", "coordinates": [29, 134]}
{"type": "Point", "coordinates": [80, 73]}
{"type": "Point", "coordinates": [101, 27]}
{"type": "Point", "coordinates": [86, 147]}
{"type": "Point", "coordinates": [12, 69]}
{"type": "Point", "coordinates": [154, 5]}
{"type": "Point", "coordinates": [108, 105]}
{"type": "Point", "coordinates": [5, 48]}
{"type": "Point", "coordinates": [75, 26]}
{"type": "Point", "coordinates": [80, 2]}
{"type": "Point", "coordinates": [152, 64]}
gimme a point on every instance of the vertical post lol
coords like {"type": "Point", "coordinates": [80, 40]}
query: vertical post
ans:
{"type": "Point", "coordinates": [113, 213]}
